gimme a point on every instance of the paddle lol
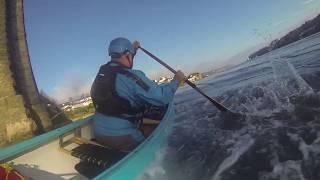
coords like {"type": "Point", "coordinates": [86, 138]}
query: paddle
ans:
{"type": "Point", "coordinates": [228, 115]}
{"type": "Point", "coordinates": [214, 102]}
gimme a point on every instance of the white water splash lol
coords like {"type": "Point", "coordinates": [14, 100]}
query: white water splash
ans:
{"type": "Point", "coordinates": [240, 148]}
{"type": "Point", "coordinates": [155, 170]}
{"type": "Point", "coordinates": [289, 170]}
{"type": "Point", "coordinates": [288, 81]}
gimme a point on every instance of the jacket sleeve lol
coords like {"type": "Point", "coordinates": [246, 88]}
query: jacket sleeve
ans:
{"type": "Point", "coordinates": [158, 95]}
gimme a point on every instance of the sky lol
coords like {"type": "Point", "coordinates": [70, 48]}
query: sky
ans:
{"type": "Point", "coordinates": [68, 40]}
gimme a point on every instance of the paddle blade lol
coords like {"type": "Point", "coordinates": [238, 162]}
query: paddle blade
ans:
{"type": "Point", "coordinates": [231, 121]}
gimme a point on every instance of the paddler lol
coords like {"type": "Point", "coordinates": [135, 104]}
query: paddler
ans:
{"type": "Point", "coordinates": [121, 95]}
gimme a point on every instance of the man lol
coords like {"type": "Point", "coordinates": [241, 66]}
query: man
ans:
{"type": "Point", "coordinates": [121, 95]}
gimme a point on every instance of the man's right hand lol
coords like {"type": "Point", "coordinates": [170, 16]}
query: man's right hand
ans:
{"type": "Point", "coordinates": [179, 76]}
{"type": "Point", "coordinates": [136, 44]}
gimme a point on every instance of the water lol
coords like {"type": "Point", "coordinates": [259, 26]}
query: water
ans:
{"type": "Point", "coordinates": [280, 139]}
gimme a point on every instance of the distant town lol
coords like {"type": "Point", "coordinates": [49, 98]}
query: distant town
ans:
{"type": "Point", "coordinates": [192, 77]}
{"type": "Point", "coordinates": [75, 104]}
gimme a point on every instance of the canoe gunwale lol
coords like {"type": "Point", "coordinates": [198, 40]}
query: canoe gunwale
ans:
{"type": "Point", "coordinates": [19, 149]}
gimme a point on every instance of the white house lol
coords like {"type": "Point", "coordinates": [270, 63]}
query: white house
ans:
{"type": "Point", "coordinates": [76, 104]}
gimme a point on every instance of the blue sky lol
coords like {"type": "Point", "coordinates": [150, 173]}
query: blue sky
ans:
{"type": "Point", "coordinates": [68, 40]}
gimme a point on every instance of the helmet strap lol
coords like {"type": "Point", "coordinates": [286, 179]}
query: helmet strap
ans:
{"type": "Point", "coordinates": [126, 54]}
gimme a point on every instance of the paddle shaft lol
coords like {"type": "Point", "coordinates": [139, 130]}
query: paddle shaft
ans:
{"type": "Point", "coordinates": [214, 102]}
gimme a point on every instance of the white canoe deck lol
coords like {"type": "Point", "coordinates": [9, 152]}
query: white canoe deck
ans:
{"type": "Point", "coordinates": [50, 162]}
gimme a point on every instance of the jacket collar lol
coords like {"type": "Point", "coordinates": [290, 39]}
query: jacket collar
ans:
{"type": "Point", "coordinates": [114, 63]}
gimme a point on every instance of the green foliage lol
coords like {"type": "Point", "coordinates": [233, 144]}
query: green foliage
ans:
{"type": "Point", "coordinates": [80, 112]}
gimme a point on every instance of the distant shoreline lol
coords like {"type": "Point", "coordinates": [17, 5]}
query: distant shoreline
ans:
{"type": "Point", "coordinates": [307, 29]}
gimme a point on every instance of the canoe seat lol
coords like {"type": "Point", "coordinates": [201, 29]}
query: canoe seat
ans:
{"type": "Point", "coordinates": [95, 159]}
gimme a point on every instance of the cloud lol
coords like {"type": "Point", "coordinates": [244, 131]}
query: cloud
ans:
{"type": "Point", "coordinates": [162, 72]}
{"type": "Point", "coordinates": [305, 2]}
{"type": "Point", "coordinates": [207, 65]}
{"type": "Point", "coordinates": [74, 85]}
{"type": "Point", "coordinates": [278, 23]}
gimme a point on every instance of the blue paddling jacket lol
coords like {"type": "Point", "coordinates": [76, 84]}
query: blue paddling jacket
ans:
{"type": "Point", "coordinates": [122, 95]}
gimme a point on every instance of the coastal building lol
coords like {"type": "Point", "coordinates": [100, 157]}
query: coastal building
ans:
{"type": "Point", "coordinates": [82, 102]}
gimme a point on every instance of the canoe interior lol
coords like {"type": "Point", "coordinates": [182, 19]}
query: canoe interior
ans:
{"type": "Point", "coordinates": [70, 152]}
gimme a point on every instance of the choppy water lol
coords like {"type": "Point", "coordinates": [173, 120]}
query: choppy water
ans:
{"type": "Point", "coordinates": [280, 138]}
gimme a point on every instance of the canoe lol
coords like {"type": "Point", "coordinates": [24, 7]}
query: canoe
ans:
{"type": "Point", "coordinates": [53, 155]}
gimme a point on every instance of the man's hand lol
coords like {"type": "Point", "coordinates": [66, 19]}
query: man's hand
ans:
{"type": "Point", "coordinates": [179, 76]}
{"type": "Point", "coordinates": [136, 44]}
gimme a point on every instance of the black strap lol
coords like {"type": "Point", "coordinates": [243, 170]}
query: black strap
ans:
{"type": "Point", "coordinates": [135, 78]}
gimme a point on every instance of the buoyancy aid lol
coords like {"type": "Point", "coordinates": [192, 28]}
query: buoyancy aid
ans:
{"type": "Point", "coordinates": [105, 98]}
